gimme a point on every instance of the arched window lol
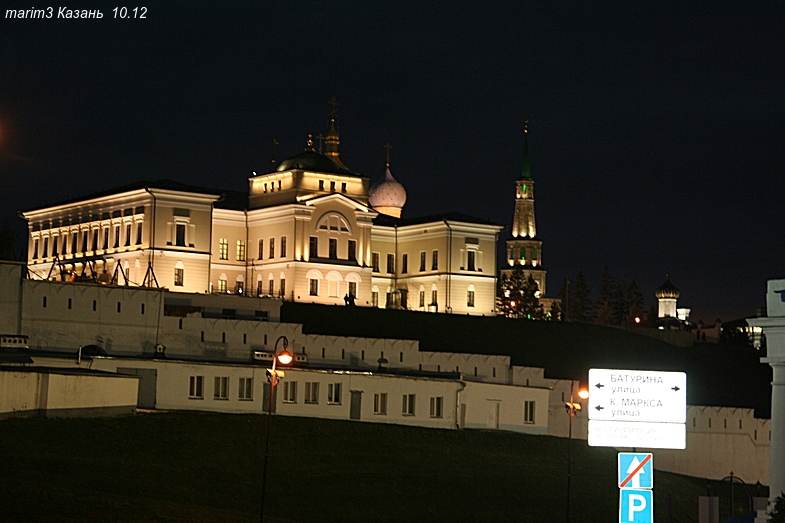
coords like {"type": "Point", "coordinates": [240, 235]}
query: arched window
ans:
{"type": "Point", "coordinates": [333, 222]}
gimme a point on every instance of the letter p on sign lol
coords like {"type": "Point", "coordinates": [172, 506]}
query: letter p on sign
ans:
{"type": "Point", "coordinates": [636, 506]}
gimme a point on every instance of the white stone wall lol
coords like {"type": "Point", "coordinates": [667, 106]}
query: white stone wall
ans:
{"type": "Point", "coordinates": [493, 406]}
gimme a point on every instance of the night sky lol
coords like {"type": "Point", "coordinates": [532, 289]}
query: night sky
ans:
{"type": "Point", "coordinates": [656, 128]}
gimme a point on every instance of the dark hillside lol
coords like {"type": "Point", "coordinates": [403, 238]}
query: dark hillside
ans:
{"type": "Point", "coordinates": [718, 375]}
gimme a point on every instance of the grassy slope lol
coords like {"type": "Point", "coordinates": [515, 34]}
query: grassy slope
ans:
{"type": "Point", "coordinates": [207, 467]}
{"type": "Point", "coordinates": [717, 375]}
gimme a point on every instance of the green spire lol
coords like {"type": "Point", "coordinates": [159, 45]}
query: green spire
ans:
{"type": "Point", "coordinates": [526, 172]}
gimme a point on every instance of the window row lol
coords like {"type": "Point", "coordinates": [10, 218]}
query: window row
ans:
{"type": "Point", "coordinates": [88, 240]}
{"type": "Point", "coordinates": [332, 249]}
{"type": "Point", "coordinates": [391, 269]}
{"type": "Point", "coordinates": [311, 393]}
{"type": "Point", "coordinates": [220, 388]}
{"type": "Point", "coordinates": [522, 252]}
{"type": "Point", "coordinates": [408, 405]}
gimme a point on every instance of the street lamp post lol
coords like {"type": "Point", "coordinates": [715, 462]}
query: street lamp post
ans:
{"type": "Point", "coordinates": [572, 408]}
{"type": "Point", "coordinates": [273, 377]}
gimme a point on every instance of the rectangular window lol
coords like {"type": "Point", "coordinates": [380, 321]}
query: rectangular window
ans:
{"type": "Point", "coordinates": [528, 412]}
{"type": "Point", "coordinates": [422, 261]}
{"type": "Point", "coordinates": [116, 236]}
{"type": "Point", "coordinates": [282, 288]}
{"type": "Point", "coordinates": [352, 256]}
{"type": "Point", "coordinates": [408, 404]}
{"type": "Point", "coordinates": [127, 234]}
{"type": "Point", "coordinates": [221, 285]}
{"type": "Point", "coordinates": [139, 233]}
{"type": "Point", "coordinates": [390, 263]}
{"type": "Point", "coordinates": [313, 247]}
{"type": "Point", "coordinates": [405, 263]}
{"type": "Point", "coordinates": [283, 246]}
{"type": "Point", "coordinates": [95, 240]}
{"type": "Point", "coordinates": [352, 289]}
{"type": "Point", "coordinates": [223, 249]}
{"type": "Point", "coordinates": [334, 394]}
{"type": "Point", "coordinates": [271, 287]}
{"type": "Point", "coordinates": [35, 249]}
{"type": "Point", "coordinates": [470, 261]}
{"type": "Point", "coordinates": [313, 287]}
{"type": "Point", "coordinates": [375, 261]}
{"type": "Point", "coordinates": [311, 392]}
{"type": "Point", "coordinates": [54, 246]}
{"type": "Point", "coordinates": [272, 248]}
{"type": "Point", "coordinates": [434, 297]}
{"type": "Point", "coordinates": [470, 298]}
{"type": "Point", "coordinates": [179, 234]}
{"type": "Point", "coordinates": [422, 298]}
{"type": "Point", "coordinates": [290, 392]}
{"type": "Point", "coordinates": [436, 407]}
{"type": "Point", "coordinates": [221, 390]}
{"type": "Point", "coordinates": [196, 391]}
{"type": "Point", "coordinates": [240, 250]}
{"type": "Point", "coordinates": [333, 253]}
{"type": "Point", "coordinates": [374, 298]}
{"type": "Point", "coordinates": [246, 389]}
{"type": "Point", "coordinates": [106, 239]}
{"type": "Point", "coordinates": [332, 186]}
{"type": "Point", "coordinates": [179, 277]}
{"type": "Point", "coordinates": [261, 249]}
{"type": "Point", "coordinates": [321, 185]}
{"type": "Point", "coordinates": [84, 240]}
{"type": "Point", "coordinates": [435, 262]}
{"type": "Point", "coordinates": [380, 403]}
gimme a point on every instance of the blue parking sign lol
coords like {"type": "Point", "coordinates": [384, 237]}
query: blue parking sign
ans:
{"type": "Point", "coordinates": [636, 506]}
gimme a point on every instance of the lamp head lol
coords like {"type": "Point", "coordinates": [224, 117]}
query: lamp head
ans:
{"type": "Point", "coordinates": [583, 394]}
{"type": "Point", "coordinates": [285, 358]}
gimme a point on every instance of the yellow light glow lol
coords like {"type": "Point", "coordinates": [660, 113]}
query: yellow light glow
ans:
{"type": "Point", "coordinates": [583, 394]}
{"type": "Point", "coordinates": [285, 358]}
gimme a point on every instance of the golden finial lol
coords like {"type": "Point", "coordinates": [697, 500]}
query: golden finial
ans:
{"type": "Point", "coordinates": [388, 147]}
{"type": "Point", "coordinates": [309, 142]}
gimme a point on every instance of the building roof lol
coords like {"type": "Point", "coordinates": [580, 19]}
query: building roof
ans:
{"type": "Point", "coordinates": [667, 289]}
{"type": "Point", "coordinates": [169, 185]}
{"type": "Point", "coordinates": [312, 161]}
{"type": "Point", "coordinates": [389, 221]}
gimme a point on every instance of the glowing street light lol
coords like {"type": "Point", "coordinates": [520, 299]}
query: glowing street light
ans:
{"type": "Point", "coordinates": [273, 377]}
{"type": "Point", "coordinates": [572, 408]}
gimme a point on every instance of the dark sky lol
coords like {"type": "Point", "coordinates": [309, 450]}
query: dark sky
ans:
{"type": "Point", "coordinates": [656, 128]}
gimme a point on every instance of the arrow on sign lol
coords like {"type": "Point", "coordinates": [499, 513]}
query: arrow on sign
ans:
{"type": "Point", "coordinates": [599, 408]}
{"type": "Point", "coordinates": [599, 385]}
{"type": "Point", "coordinates": [634, 472]}
{"type": "Point", "coordinates": [675, 389]}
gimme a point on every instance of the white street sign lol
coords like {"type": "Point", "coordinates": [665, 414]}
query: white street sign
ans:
{"type": "Point", "coordinates": [637, 395]}
{"type": "Point", "coordinates": [629, 434]}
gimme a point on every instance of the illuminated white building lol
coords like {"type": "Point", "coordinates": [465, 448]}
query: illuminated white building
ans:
{"type": "Point", "coordinates": [310, 231]}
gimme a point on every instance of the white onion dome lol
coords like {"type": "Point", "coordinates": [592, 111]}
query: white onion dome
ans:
{"type": "Point", "coordinates": [389, 196]}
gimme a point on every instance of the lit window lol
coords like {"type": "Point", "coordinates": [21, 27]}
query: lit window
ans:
{"type": "Point", "coordinates": [375, 298]}
{"type": "Point", "coordinates": [223, 249]}
{"type": "Point", "coordinates": [221, 391]}
{"type": "Point", "coordinates": [408, 404]}
{"type": "Point", "coordinates": [196, 389]}
{"type": "Point", "coordinates": [240, 250]}
{"type": "Point", "coordinates": [380, 403]}
{"type": "Point", "coordinates": [246, 389]}
{"type": "Point", "coordinates": [436, 407]}
{"type": "Point", "coordinates": [221, 285]}
{"type": "Point", "coordinates": [470, 298]}
{"type": "Point", "coordinates": [334, 394]}
{"type": "Point", "coordinates": [311, 392]}
{"type": "Point", "coordinates": [179, 276]}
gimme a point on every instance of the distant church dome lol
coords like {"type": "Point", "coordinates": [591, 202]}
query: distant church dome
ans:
{"type": "Point", "coordinates": [389, 196]}
{"type": "Point", "coordinates": [667, 290]}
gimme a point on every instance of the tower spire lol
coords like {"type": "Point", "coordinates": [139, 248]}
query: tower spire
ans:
{"type": "Point", "coordinates": [526, 172]}
{"type": "Point", "coordinates": [388, 147]}
{"type": "Point", "coordinates": [332, 140]}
